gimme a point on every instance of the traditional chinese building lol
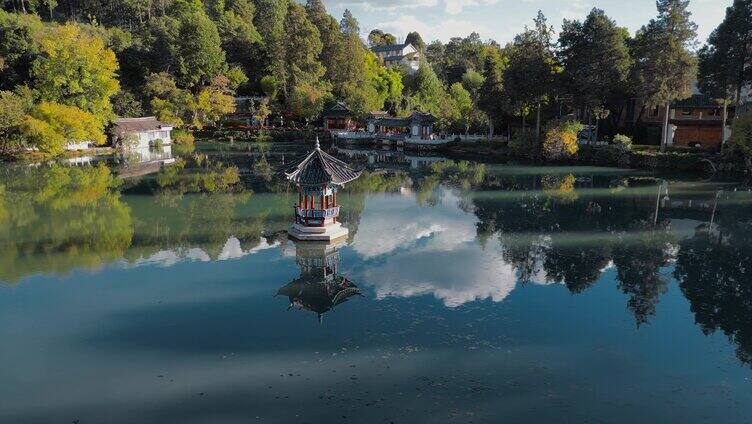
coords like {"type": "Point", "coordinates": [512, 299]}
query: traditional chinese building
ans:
{"type": "Point", "coordinates": [320, 287]}
{"type": "Point", "coordinates": [338, 117]}
{"type": "Point", "coordinates": [318, 177]}
{"type": "Point", "coordinates": [418, 125]}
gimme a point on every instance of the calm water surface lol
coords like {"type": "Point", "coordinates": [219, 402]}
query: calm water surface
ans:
{"type": "Point", "coordinates": [465, 293]}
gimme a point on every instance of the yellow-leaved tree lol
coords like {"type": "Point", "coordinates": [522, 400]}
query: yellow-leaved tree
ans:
{"type": "Point", "coordinates": [561, 140]}
{"type": "Point", "coordinates": [50, 126]}
{"type": "Point", "coordinates": [76, 69]}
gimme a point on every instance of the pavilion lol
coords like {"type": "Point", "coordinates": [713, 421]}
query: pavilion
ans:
{"type": "Point", "coordinates": [318, 177]}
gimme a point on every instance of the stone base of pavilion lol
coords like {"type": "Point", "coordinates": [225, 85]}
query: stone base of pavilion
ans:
{"type": "Point", "coordinates": [329, 233]}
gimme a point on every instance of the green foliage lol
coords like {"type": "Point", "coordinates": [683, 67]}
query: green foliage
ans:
{"type": "Point", "coordinates": [13, 108]}
{"type": "Point", "coordinates": [416, 40]}
{"type": "Point", "coordinates": [462, 104]}
{"type": "Point", "coordinates": [18, 47]}
{"type": "Point", "coordinates": [665, 65]}
{"type": "Point", "coordinates": [530, 74]}
{"type": "Point", "coordinates": [199, 47]}
{"type": "Point", "coordinates": [741, 133]}
{"type": "Point", "coordinates": [76, 69]}
{"type": "Point", "coordinates": [126, 105]}
{"type": "Point", "coordinates": [523, 144]}
{"type": "Point", "coordinates": [724, 69]}
{"type": "Point", "coordinates": [595, 57]}
{"type": "Point", "coordinates": [623, 142]}
{"type": "Point", "coordinates": [378, 37]}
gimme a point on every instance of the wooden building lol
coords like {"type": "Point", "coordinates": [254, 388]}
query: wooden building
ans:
{"type": "Point", "coordinates": [697, 121]}
{"type": "Point", "coordinates": [338, 118]}
{"type": "Point", "coordinates": [318, 177]}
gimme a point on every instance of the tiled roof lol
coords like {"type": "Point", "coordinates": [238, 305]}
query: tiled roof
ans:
{"type": "Point", "coordinates": [697, 100]}
{"type": "Point", "coordinates": [338, 110]}
{"type": "Point", "coordinates": [320, 168]}
{"type": "Point", "coordinates": [389, 47]}
{"type": "Point", "coordinates": [130, 125]}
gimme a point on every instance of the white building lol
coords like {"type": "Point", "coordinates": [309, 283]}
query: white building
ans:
{"type": "Point", "coordinates": [143, 131]}
{"type": "Point", "coordinates": [145, 137]}
{"type": "Point", "coordinates": [399, 55]}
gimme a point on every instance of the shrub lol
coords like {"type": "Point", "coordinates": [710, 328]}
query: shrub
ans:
{"type": "Point", "coordinates": [183, 137]}
{"type": "Point", "coordinates": [741, 133]}
{"type": "Point", "coordinates": [623, 141]}
{"type": "Point", "coordinates": [523, 145]}
{"type": "Point", "coordinates": [561, 139]}
{"type": "Point", "coordinates": [157, 145]}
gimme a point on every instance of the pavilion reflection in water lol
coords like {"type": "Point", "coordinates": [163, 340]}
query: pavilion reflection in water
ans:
{"type": "Point", "coordinates": [320, 287]}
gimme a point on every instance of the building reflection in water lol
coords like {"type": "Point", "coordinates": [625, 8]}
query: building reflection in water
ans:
{"type": "Point", "coordinates": [320, 287]}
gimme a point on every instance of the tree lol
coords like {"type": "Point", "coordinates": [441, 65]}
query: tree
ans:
{"type": "Point", "coordinates": [492, 96]}
{"type": "Point", "coordinates": [376, 86]}
{"type": "Point", "coordinates": [741, 135]}
{"type": "Point", "coordinates": [529, 78]}
{"type": "Point", "coordinates": [50, 126]}
{"type": "Point", "coordinates": [302, 48]}
{"type": "Point", "coordinates": [462, 104]}
{"type": "Point", "coordinates": [340, 57]}
{"type": "Point", "coordinates": [18, 47]}
{"type": "Point", "coordinates": [416, 40]}
{"type": "Point", "coordinates": [724, 62]}
{"type": "Point", "coordinates": [461, 55]}
{"type": "Point", "coordinates": [665, 66]}
{"type": "Point", "coordinates": [561, 139]}
{"type": "Point", "coordinates": [212, 103]}
{"type": "Point", "coordinates": [435, 54]}
{"type": "Point", "coordinates": [428, 93]}
{"type": "Point", "coordinates": [596, 61]}
{"type": "Point", "coordinates": [270, 23]}
{"type": "Point", "coordinates": [348, 24]}
{"type": "Point", "coordinates": [378, 37]}
{"type": "Point", "coordinates": [201, 57]}
{"type": "Point", "coordinates": [12, 111]}
{"type": "Point", "coordinates": [76, 69]}
{"type": "Point", "coordinates": [237, 31]}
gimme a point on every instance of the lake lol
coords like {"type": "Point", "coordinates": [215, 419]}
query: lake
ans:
{"type": "Point", "coordinates": [466, 292]}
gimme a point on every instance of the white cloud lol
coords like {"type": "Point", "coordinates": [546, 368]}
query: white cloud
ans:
{"type": "Point", "coordinates": [385, 5]}
{"type": "Point", "coordinates": [446, 29]}
{"type": "Point", "coordinates": [430, 253]}
{"type": "Point", "coordinates": [454, 7]}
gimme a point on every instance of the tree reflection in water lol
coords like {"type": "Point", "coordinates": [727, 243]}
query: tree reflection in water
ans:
{"type": "Point", "coordinates": [57, 218]}
{"type": "Point", "coordinates": [713, 269]}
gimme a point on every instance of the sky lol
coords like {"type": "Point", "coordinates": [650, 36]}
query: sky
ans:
{"type": "Point", "coordinates": [502, 19]}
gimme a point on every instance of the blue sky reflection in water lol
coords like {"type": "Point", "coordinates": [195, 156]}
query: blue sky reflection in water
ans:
{"type": "Point", "coordinates": [518, 294]}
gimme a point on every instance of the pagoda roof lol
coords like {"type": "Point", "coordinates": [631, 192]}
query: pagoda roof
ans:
{"type": "Point", "coordinates": [320, 168]}
{"type": "Point", "coordinates": [338, 110]}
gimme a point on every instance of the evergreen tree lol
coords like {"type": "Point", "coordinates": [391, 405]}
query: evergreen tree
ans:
{"type": "Point", "coordinates": [666, 67]}
{"type": "Point", "coordinates": [416, 40]}
{"type": "Point", "coordinates": [200, 54]}
{"type": "Point", "coordinates": [529, 78]}
{"type": "Point", "coordinates": [596, 60]}
{"type": "Point", "coordinates": [492, 95]}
